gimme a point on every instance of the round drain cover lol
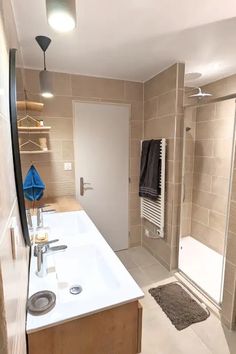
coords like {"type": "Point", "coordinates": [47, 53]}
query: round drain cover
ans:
{"type": "Point", "coordinates": [41, 302]}
{"type": "Point", "coordinates": [76, 289]}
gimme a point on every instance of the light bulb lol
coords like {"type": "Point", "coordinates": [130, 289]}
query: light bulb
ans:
{"type": "Point", "coordinates": [61, 21]}
{"type": "Point", "coordinates": [47, 94]}
{"type": "Point", "coordinates": [61, 14]}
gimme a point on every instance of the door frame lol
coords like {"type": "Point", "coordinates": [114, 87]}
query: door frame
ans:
{"type": "Point", "coordinates": [94, 101]}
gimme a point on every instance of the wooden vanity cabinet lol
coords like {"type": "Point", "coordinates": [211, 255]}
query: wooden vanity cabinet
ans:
{"type": "Point", "coordinates": [114, 331]}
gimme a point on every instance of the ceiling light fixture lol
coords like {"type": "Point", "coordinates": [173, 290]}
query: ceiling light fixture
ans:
{"type": "Point", "coordinates": [61, 14]}
{"type": "Point", "coordinates": [45, 77]}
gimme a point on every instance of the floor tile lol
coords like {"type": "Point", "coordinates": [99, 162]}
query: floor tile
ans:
{"type": "Point", "coordinates": [159, 335]}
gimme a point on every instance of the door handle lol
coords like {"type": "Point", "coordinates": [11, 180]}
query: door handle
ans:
{"type": "Point", "coordinates": [82, 184]}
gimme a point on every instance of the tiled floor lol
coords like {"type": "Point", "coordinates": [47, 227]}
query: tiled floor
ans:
{"type": "Point", "coordinates": [159, 335]}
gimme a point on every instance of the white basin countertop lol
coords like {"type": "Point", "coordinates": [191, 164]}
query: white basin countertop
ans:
{"type": "Point", "coordinates": [89, 262]}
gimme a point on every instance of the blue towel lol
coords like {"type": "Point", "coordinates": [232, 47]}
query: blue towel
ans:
{"type": "Point", "coordinates": [33, 185]}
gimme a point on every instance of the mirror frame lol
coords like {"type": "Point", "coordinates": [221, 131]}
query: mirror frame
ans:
{"type": "Point", "coordinates": [15, 145]}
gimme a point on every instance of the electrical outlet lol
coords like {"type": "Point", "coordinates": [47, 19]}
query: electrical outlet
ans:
{"type": "Point", "coordinates": [67, 166]}
{"type": "Point", "coordinates": [146, 232]}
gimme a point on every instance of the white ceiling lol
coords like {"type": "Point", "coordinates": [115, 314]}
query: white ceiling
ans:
{"type": "Point", "coordinates": [134, 39]}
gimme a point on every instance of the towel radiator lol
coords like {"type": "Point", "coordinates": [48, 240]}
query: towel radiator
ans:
{"type": "Point", "coordinates": [154, 210]}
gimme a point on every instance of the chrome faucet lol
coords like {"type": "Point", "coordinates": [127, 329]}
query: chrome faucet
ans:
{"type": "Point", "coordinates": [29, 218]}
{"type": "Point", "coordinates": [39, 217]}
{"type": "Point", "coordinates": [41, 251]}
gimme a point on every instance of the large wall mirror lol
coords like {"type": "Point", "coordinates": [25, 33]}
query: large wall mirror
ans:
{"type": "Point", "coordinates": [15, 143]}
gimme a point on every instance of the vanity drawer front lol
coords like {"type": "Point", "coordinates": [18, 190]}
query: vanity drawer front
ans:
{"type": "Point", "coordinates": [113, 331]}
{"type": "Point", "coordinates": [139, 328]}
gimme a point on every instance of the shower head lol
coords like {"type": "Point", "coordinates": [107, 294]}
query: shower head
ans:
{"type": "Point", "coordinates": [187, 129]}
{"type": "Point", "coordinates": [200, 94]}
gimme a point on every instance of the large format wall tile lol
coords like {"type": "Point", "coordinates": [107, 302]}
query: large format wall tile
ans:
{"type": "Point", "coordinates": [163, 106]}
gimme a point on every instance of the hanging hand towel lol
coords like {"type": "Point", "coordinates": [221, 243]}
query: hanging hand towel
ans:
{"type": "Point", "coordinates": [33, 185]}
{"type": "Point", "coordinates": [150, 170]}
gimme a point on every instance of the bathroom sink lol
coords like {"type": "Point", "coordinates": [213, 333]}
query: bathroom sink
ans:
{"type": "Point", "coordinates": [77, 224]}
{"type": "Point", "coordinates": [86, 277]}
{"type": "Point", "coordinates": [84, 266]}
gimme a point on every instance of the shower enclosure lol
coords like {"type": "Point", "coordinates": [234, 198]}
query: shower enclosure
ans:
{"type": "Point", "coordinates": [206, 178]}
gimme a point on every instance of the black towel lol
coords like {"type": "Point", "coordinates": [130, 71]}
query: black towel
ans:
{"type": "Point", "coordinates": [150, 170]}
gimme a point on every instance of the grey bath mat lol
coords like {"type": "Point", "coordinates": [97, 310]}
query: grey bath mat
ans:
{"type": "Point", "coordinates": [178, 305]}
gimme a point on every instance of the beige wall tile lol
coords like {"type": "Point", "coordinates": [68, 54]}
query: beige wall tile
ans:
{"type": "Point", "coordinates": [217, 221]}
{"type": "Point", "coordinates": [225, 109]}
{"type": "Point", "coordinates": [161, 83]}
{"type": "Point", "coordinates": [135, 235]}
{"type": "Point", "coordinates": [230, 277]}
{"type": "Point", "coordinates": [186, 227]}
{"type": "Point", "coordinates": [67, 150]}
{"type": "Point", "coordinates": [210, 201]}
{"type": "Point", "coordinates": [134, 166]}
{"type": "Point", "coordinates": [202, 182]}
{"type": "Point", "coordinates": [179, 119]}
{"type": "Point", "coordinates": [137, 110]}
{"type": "Point", "coordinates": [221, 167]}
{"type": "Point", "coordinates": [204, 148]}
{"type": "Point", "coordinates": [227, 305]}
{"type": "Point", "coordinates": [161, 100]}
{"type": "Point", "coordinates": [135, 148]}
{"type": "Point", "coordinates": [222, 148]}
{"type": "Point", "coordinates": [200, 214]}
{"type": "Point", "coordinates": [61, 128]}
{"type": "Point", "coordinates": [133, 91]}
{"type": "Point", "coordinates": [150, 108]}
{"type": "Point", "coordinates": [189, 147]}
{"type": "Point", "coordinates": [32, 81]}
{"type": "Point", "coordinates": [215, 129]}
{"type": "Point", "coordinates": [86, 86]}
{"type": "Point", "coordinates": [160, 128]}
{"type": "Point", "coordinates": [232, 217]}
{"type": "Point", "coordinates": [160, 249]}
{"type": "Point", "coordinates": [212, 166]}
{"type": "Point", "coordinates": [189, 163]}
{"type": "Point", "coordinates": [208, 236]}
{"type": "Point", "coordinates": [136, 129]}
{"type": "Point", "coordinates": [231, 248]}
{"type": "Point", "coordinates": [60, 189]}
{"type": "Point", "coordinates": [180, 76]}
{"type": "Point", "coordinates": [134, 215]}
{"type": "Point", "coordinates": [134, 184]}
{"type": "Point", "coordinates": [205, 113]}
{"type": "Point", "coordinates": [186, 210]}
{"type": "Point", "coordinates": [134, 200]}
{"type": "Point", "coordinates": [58, 106]}
{"type": "Point", "coordinates": [167, 103]}
{"type": "Point", "coordinates": [62, 84]}
{"type": "Point", "coordinates": [220, 185]}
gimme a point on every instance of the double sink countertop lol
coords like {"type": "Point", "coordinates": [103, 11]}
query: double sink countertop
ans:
{"type": "Point", "coordinates": [88, 262]}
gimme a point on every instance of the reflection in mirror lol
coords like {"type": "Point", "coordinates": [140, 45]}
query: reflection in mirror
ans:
{"type": "Point", "coordinates": [15, 143]}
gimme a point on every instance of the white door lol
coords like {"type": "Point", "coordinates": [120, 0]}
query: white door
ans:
{"type": "Point", "coordinates": [101, 136]}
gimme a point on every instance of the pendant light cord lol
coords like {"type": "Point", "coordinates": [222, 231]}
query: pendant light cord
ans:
{"type": "Point", "coordinates": [44, 60]}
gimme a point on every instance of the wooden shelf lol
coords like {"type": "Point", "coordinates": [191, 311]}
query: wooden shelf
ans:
{"type": "Point", "coordinates": [34, 129]}
{"type": "Point", "coordinates": [27, 152]}
{"type": "Point", "coordinates": [29, 106]}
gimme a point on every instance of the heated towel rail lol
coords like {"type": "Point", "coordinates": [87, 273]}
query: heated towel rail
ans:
{"type": "Point", "coordinates": [154, 211]}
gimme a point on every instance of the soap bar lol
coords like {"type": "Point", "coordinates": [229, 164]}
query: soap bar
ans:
{"type": "Point", "coordinates": [41, 234]}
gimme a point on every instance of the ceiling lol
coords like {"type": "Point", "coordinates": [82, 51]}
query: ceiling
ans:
{"type": "Point", "coordinates": [134, 39]}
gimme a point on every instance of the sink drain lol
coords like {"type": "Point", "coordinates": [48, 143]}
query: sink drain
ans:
{"type": "Point", "coordinates": [76, 289]}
